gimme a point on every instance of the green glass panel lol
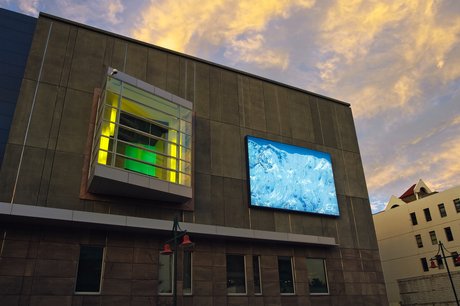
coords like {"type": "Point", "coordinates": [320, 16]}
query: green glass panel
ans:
{"type": "Point", "coordinates": [143, 155]}
{"type": "Point", "coordinates": [113, 85]}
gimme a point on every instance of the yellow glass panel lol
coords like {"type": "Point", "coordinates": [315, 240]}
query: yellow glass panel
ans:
{"type": "Point", "coordinates": [185, 179]}
{"type": "Point", "coordinates": [109, 114]}
{"type": "Point", "coordinates": [173, 153]}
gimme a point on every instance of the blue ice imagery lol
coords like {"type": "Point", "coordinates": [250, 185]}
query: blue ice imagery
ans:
{"type": "Point", "coordinates": [289, 177]}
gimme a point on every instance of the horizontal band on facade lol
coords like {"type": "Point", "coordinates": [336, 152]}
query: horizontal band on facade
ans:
{"type": "Point", "coordinates": [128, 222]}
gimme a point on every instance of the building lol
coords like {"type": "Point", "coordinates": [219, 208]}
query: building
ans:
{"type": "Point", "coordinates": [408, 233]}
{"type": "Point", "coordinates": [113, 139]}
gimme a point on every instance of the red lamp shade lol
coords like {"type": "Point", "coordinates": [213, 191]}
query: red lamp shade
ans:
{"type": "Point", "coordinates": [186, 241]}
{"type": "Point", "coordinates": [433, 264]}
{"type": "Point", "coordinates": [166, 250]}
{"type": "Point", "coordinates": [457, 260]}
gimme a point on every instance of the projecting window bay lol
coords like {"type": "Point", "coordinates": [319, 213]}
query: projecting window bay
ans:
{"type": "Point", "coordinates": [143, 131]}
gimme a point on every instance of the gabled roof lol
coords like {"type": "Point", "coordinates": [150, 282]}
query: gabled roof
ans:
{"type": "Point", "coordinates": [408, 192]}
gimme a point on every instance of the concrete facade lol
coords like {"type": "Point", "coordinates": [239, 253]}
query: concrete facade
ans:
{"type": "Point", "coordinates": [401, 256]}
{"type": "Point", "coordinates": [47, 154]}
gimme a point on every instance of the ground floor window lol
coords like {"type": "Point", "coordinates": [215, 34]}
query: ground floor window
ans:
{"type": "Point", "coordinates": [317, 277]}
{"type": "Point", "coordinates": [285, 275]}
{"type": "Point", "coordinates": [236, 276]}
{"type": "Point", "coordinates": [165, 274]}
{"type": "Point", "coordinates": [256, 273]}
{"type": "Point", "coordinates": [187, 272]}
{"type": "Point", "coordinates": [89, 270]}
{"type": "Point", "coordinates": [424, 264]}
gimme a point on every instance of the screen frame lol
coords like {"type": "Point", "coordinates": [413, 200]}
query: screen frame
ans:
{"type": "Point", "coordinates": [248, 181]}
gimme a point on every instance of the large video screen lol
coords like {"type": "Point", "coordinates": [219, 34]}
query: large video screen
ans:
{"type": "Point", "coordinates": [288, 177]}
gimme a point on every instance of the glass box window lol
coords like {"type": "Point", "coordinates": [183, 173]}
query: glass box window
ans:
{"type": "Point", "coordinates": [144, 133]}
{"type": "Point", "coordinates": [317, 279]}
{"type": "Point", "coordinates": [142, 130]}
{"type": "Point", "coordinates": [89, 269]}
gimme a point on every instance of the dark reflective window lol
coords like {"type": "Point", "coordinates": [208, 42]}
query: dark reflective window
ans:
{"type": "Point", "coordinates": [418, 238]}
{"type": "Point", "coordinates": [187, 285]}
{"type": "Point", "coordinates": [424, 264]}
{"type": "Point", "coordinates": [434, 239]}
{"type": "Point", "coordinates": [89, 269]}
{"type": "Point", "coordinates": [317, 279]}
{"type": "Point", "coordinates": [457, 205]}
{"type": "Point", "coordinates": [413, 218]}
{"type": "Point", "coordinates": [442, 210]}
{"type": "Point", "coordinates": [285, 274]}
{"type": "Point", "coordinates": [427, 213]}
{"type": "Point", "coordinates": [236, 276]}
{"type": "Point", "coordinates": [449, 235]}
{"type": "Point", "coordinates": [256, 273]}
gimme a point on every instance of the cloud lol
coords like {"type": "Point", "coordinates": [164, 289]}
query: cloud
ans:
{"type": "Point", "coordinates": [29, 7]}
{"type": "Point", "coordinates": [432, 155]}
{"type": "Point", "coordinates": [250, 50]}
{"type": "Point", "coordinates": [436, 130]}
{"type": "Point", "coordinates": [238, 26]}
{"type": "Point", "coordinates": [397, 63]}
{"type": "Point", "coordinates": [84, 11]}
{"type": "Point", "coordinates": [379, 55]}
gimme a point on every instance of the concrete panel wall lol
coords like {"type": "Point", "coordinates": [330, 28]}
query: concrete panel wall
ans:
{"type": "Point", "coordinates": [228, 105]}
{"type": "Point", "coordinates": [39, 267]}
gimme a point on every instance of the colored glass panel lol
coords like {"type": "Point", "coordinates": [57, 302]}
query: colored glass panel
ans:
{"type": "Point", "coordinates": [143, 155]}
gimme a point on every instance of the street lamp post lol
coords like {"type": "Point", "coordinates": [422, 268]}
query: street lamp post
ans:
{"type": "Point", "coordinates": [177, 233]}
{"type": "Point", "coordinates": [456, 257]}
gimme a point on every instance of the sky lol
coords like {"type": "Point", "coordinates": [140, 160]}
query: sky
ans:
{"type": "Point", "coordinates": [396, 62]}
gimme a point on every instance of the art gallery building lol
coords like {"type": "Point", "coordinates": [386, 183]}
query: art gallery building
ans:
{"type": "Point", "coordinates": [106, 141]}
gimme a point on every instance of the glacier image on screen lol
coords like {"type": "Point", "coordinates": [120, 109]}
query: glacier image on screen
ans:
{"type": "Point", "coordinates": [289, 177]}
